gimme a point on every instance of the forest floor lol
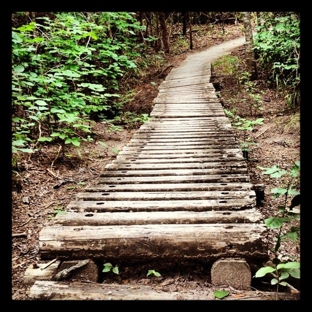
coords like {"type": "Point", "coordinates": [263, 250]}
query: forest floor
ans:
{"type": "Point", "coordinates": [40, 191]}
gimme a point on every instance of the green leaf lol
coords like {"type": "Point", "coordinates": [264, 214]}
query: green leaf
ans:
{"type": "Point", "coordinates": [258, 121]}
{"type": "Point", "coordinates": [293, 192]}
{"type": "Point", "coordinates": [269, 170]}
{"type": "Point", "coordinates": [92, 86]}
{"type": "Point", "coordinates": [278, 174]}
{"type": "Point", "coordinates": [295, 273]}
{"type": "Point", "coordinates": [279, 191]}
{"type": "Point", "coordinates": [274, 281]}
{"type": "Point", "coordinates": [284, 275]}
{"type": "Point", "coordinates": [116, 270]}
{"type": "Point", "coordinates": [44, 139]}
{"type": "Point", "coordinates": [288, 265]}
{"type": "Point", "coordinates": [19, 142]}
{"type": "Point", "coordinates": [293, 236]}
{"type": "Point", "coordinates": [107, 267]}
{"type": "Point", "coordinates": [75, 141]}
{"type": "Point", "coordinates": [155, 273]}
{"type": "Point", "coordinates": [57, 110]}
{"type": "Point", "coordinates": [41, 102]}
{"type": "Point", "coordinates": [69, 73]}
{"type": "Point", "coordinates": [19, 68]}
{"type": "Point", "coordinates": [220, 294]}
{"type": "Point", "coordinates": [264, 270]}
{"type": "Point", "coordinates": [16, 37]}
{"type": "Point", "coordinates": [274, 223]}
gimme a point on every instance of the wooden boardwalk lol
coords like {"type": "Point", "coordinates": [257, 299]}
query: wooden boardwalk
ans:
{"type": "Point", "coordinates": [179, 189]}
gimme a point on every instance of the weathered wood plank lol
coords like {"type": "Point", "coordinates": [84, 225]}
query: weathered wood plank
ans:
{"type": "Point", "coordinates": [52, 290]}
{"type": "Point", "coordinates": [198, 150]}
{"type": "Point", "coordinates": [161, 160]}
{"type": "Point", "coordinates": [162, 205]}
{"type": "Point", "coordinates": [237, 165]}
{"type": "Point", "coordinates": [154, 241]}
{"type": "Point", "coordinates": [164, 195]}
{"type": "Point", "coordinates": [213, 178]}
{"type": "Point", "coordinates": [177, 136]}
{"type": "Point", "coordinates": [158, 217]}
{"type": "Point", "coordinates": [156, 172]}
{"type": "Point", "coordinates": [177, 148]}
{"type": "Point", "coordinates": [150, 160]}
{"type": "Point", "coordinates": [170, 187]}
{"type": "Point", "coordinates": [183, 142]}
{"type": "Point", "coordinates": [172, 154]}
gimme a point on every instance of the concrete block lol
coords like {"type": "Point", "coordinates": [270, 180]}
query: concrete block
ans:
{"type": "Point", "coordinates": [231, 272]}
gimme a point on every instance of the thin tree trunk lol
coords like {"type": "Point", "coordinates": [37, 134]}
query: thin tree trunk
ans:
{"type": "Point", "coordinates": [164, 32]}
{"type": "Point", "coordinates": [185, 17]}
{"type": "Point", "coordinates": [191, 38]}
{"type": "Point", "coordinates": [250, 58]}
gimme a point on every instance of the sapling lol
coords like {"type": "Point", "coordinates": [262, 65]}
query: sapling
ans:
{"type": "Point", "coordinates": [282, 271]}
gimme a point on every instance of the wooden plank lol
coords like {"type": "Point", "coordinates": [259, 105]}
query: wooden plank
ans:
{"type": "Point", "coordinates": [186, 114]}
{"type": "Point", "coordinates": [199, 150]}
{"type": "Point", "coordinates": [175, 154]}
{"type": "Point", "coordinates": [194, 121]}
{"type": "Point", "coordinates": [170, 187]}
{"type": "Point", "coordinates": [161, 205]}
{"type": "Point", "coordinates": [164, 195]}
{"type": "Point", "coordinates": [52, 290]}
{"type": "Point", "coordinates": [175, 172]}
{"type": "Point", "coordinates": [141, 160]}
{"type": "Point", "coordinates": [177, 136]}
{"type": "Point", "coordinates": [185, 145]}
{"type": "Point", "coordinates": [158, 217]}
{"type": "Point", "coordinates": [221, 178]}
{"type": "Point", "coordinates": [130, 158]}
{"type": "Point", "coordinates": [154, 241]}
{"type": "Point", "coordinates": [173, 166]}
{"type": "Point", "coordinates": [212, 154]}
{"type": "Point", "coordinates": [121, 179]}
{"type": "Point", "coordinates": [182, 142]}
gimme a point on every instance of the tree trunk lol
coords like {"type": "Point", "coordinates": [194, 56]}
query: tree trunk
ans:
{"type": "Point", "coordinates": [185, 19]}
{"type": "Point", "coordinates": [250, 59]}
{"type": "Point", "coordinates": [164, 32]}
{"type": "Point", "coordinates": [191, 38]}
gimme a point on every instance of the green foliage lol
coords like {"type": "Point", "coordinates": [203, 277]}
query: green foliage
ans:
{"type": "Point", "coordinates": [282, 271]}
{"type": "Point", "coordinates": [227, 64]}
{"type": "Point", "coordinates": [66, 69]}
{"type": "Point", "coordinates": [153, 272]}
{"type": "Point", "coordinates": [57, 211]}
{"type": "Point", "coordinates": [277, 48]}
{"type": "Point", "coordinates": [244, 125]}
{"type": "Point", "coordinates": [220, 294]}
{"type": "Point", "coordinates": [108, 267]}
{"type": "Point", "coordinates": [250, 87]}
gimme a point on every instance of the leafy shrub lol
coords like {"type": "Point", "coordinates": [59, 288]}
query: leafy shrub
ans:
{"type": "Point", "coordinates": [277, 48]}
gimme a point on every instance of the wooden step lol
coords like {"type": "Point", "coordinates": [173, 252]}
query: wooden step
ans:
{"type": "Point", "coordinates": [52, 290]}
{"type": "Point", "coordinates": [154, 241]}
